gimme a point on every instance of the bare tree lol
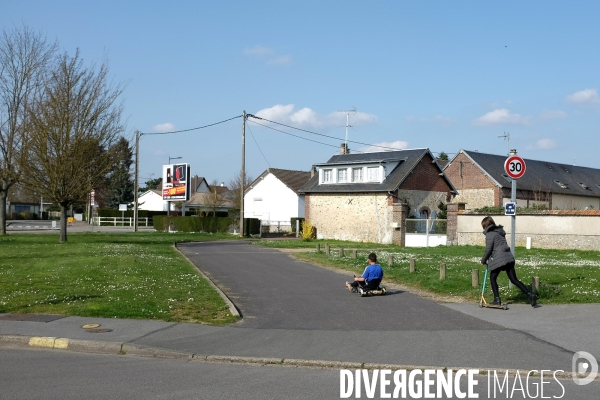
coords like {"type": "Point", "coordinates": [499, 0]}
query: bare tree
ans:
{"type": "Point", "coordinates": [214, 199]}
{"type": "Point", "coordinates": [74, 126]}
{"type": "Point", "coordinates": [234, 188]}
{"type": "Point", "coordinates": [24, 57]}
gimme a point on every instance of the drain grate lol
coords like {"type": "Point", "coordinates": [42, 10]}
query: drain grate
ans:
{"type": "Point", "coordinates": [31, 317]}
{"type": "Point", "coordinates": [98, 330]}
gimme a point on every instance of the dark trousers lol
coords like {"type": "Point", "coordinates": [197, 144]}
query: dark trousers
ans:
{"type": "Point", "coordinates": [372, 285]}
{"type": "Point", "coordinates": [512, 276]}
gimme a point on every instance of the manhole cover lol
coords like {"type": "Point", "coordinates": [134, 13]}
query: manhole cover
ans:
{"type": "Point", "coordinates": [90, 326]}
{"type": "Point", "coordinates": [98, 330]}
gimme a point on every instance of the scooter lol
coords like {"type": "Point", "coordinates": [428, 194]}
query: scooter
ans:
{"type": "Point", "coordinates": [482, 302]}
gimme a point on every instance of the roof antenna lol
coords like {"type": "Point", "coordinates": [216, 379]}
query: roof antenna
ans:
{"type": "Point", "coordinates": [506, 137]}
{"type": "Point", "coordinates": [348, 112]}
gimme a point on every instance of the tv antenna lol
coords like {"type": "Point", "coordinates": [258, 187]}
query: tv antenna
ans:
{"type": "Point", "coordinates": [348, 112]}
{"type": "Point", "coordinates": [506, 137]}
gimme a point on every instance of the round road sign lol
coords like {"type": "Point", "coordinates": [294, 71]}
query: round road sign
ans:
{"type": "Point", "coordinates": [514, 167]}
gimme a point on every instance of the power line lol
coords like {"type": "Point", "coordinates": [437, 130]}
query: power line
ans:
{"type": "Point", "coordinates": [320, 134]}
{"type": "Point", "coordinates": [191, 129]}
{"type": "Point", "coordinates": [291, 134]}
{"type": "Point", "coordinates": [259, 149]}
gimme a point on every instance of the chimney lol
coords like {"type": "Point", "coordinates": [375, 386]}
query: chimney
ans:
{"type": "Point", "coordinates": [222, 184]}
{"type": "Point", "coordinates": [313, 171]}
{"type": "Point", "coordinates": [344, 148]}
{"type": "Point", "coordinates": [513, 152]}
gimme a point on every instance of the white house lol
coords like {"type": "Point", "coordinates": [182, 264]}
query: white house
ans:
{"type": "Point", "coordinates": [152, 200]}
{"type": "Point", "coordinates": [274, 197]}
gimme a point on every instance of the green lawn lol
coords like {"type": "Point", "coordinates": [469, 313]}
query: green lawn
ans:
{"type": "Point", "coordinates": [111, 275]}
{"type": "Point", "coordinates": [566, 276]}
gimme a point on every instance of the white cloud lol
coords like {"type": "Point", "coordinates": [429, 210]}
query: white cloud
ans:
{"type": "Point", "coordinates": [587, 96]}
{"type": "Point", "coordinates": [385, 146]}
{"type": "Point", "coordinates": [166, 127]}
{"type": "Point", "coordinates": [257, 51]}
{"type": "Point", "coordinates": [280, 60]}
{"type": "Point", "coordinates": [545, 144]}
{"type": "Point", "coordinates": [308, 118]}
{"type": "Point", "coordinates": [501, 116]}
{"type": "Point", "coordinates": [553, 114]}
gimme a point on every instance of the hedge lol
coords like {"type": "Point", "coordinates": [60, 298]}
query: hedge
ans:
{"type": "Point", "coordinates": [192, 224]}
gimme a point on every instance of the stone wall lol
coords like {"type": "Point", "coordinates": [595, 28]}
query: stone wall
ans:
{"type": "Point", "coordinates": [547, 231]}
{"type": "Point", "coordinates": [359, 217]}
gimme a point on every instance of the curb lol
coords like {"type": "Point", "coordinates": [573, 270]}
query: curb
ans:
{"type": "Point", "coordinates": [232, 308]}
{"type": "Point", "coordinates": [115, 348]}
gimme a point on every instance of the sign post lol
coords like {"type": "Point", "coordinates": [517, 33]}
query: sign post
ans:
{"type": "Point", "coordinates": [515, 168]}
{"type": "Point", "coordinates": [123, 208]}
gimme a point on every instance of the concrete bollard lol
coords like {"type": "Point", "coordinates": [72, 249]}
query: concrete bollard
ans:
{"type": "Point", "coordinates": [318, 247]}
{"type": "Point", "coordinates": [413, 265]}
{"type": "Point", "coordinates": [342, 252]}
{"type": "Point", "coordinates": [535, 284]}
{"type": "Point", "coordinates": [354, 254]}
{"type": "Point", "coordinates": [390, 260]}
{"type": "Point", "coordinates": [442, 271]}
{"type": "Point", "coordinates": [327, 249]}
{"type": "Point", "coordinates": [475, 278]}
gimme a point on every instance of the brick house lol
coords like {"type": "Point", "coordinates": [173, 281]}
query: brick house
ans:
{"type": "Point", "coordinates": [481, 181]}
{"type": "Point", "coordinates": [366, 197]}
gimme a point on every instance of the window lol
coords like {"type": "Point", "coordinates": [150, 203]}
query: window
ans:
{"type": "Point", "coordinates": [327, 176]}
{"type": "Point", "coordinates": [342, 175]}
{"type": "Point", "coordinates": [373, 174]}
{"type": "Point", "coordinates": [357, 174]}
{"type": "Point", "coordinates": [562, 185]}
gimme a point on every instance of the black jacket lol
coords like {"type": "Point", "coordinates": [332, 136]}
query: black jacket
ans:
{"type": "Point", "coordinates": [497, 253]}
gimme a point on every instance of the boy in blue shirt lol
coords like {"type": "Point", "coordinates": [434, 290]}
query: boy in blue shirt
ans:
{"type": "Point", "coordinates": [370, 279]}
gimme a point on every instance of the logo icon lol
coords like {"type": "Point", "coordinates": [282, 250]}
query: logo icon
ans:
{"type": "Point", "coordinates": [584, 363]}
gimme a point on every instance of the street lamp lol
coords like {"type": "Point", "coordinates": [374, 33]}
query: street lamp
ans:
{"type": "Point", "coordinates": [173, 158]}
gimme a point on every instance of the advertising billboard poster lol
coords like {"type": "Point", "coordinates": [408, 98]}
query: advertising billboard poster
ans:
{"type": "Point", "coordinates": [176, 182]}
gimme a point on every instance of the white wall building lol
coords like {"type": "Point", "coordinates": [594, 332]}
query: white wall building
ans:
{"type": "Point", "coordinates": [152, 200]}
{"type": "Point", "coordinates": [274, 197]}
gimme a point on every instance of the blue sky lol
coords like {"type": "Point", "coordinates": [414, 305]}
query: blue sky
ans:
{"type": "Point", "coordinates": [438, 74]}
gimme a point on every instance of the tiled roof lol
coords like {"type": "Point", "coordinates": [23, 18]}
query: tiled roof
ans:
{"type": "Point", "coordinates": [292, 179]}
{"type": "Point", "coordinates": [543, 176]}
{"type": "Point", "coordinates": [408, 159]}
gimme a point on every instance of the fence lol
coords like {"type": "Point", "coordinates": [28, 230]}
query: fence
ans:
{"type": "Point", "coordinates": [120, 221]}
{"type": "Point", "coordinates": [425, 232]}
{"type": "Point", "coordinates": [275, 228]}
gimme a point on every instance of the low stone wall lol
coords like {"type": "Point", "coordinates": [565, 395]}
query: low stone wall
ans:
{"type": "Point", "coordinates": [574, 230]}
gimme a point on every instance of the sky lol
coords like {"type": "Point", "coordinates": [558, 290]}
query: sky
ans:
{"type": "Point", "coordinates": [480, 76]}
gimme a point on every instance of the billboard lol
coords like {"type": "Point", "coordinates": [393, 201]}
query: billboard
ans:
{"type": "Point", "coordinates": [176, 182]}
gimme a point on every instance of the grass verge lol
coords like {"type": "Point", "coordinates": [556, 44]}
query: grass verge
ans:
{"type": "Point", "coordinates": [111, 275]}
{"type": "Point", "coordinates": [566, 276]}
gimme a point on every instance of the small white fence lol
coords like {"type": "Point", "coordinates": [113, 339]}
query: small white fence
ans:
{"type": "Point", "coordinates": [425, 232]}
{"type": "Point", "coordinates": [120, 221]}
{"type": "Point", "coordinates": [275, 228]}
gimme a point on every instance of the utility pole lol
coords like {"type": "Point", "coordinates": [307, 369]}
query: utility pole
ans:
{"type": "Point", "coordinates": [243, 174]}
{"type": "Point", "coordinates": [137, 169]}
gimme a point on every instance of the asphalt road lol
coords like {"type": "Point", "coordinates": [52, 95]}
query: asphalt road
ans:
{"type": "Point", "coordinates": [47, 374]}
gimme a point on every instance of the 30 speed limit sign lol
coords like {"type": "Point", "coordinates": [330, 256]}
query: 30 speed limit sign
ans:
{"type": "Point", "coordinates": [514, 167]}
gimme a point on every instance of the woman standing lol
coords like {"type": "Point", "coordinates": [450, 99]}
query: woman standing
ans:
{"type": "Point", "coordinates": [499, 258]}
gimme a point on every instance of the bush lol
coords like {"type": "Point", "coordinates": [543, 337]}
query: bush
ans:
{"type": "Point", "coordinates": [162, 223]}
{"type": "Point", "coordinates": [308, 231]}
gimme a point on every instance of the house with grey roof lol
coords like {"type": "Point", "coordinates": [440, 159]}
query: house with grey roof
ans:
{"type": "Point", "coordinates": [274, 196]}
{"type": "Point", "coordinates": [365, 197]}
{"type": "Point", "coordinates": [481, 180]}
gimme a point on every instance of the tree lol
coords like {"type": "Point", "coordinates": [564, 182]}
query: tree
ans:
{"type": "Point", "coordinates": [120, 186]}
{"type": "Point", "coordinates": [214, 199]}
{"type": "Point", "coordinates": [75, 123]}
{"type": "Point", "coordinates": [443, 156]}
{"type": "Point", "coordinates": [234, 189]}
{"type": "Point", "coordinates": [24, 57]}
{"type": "Point", "coordinates": [151, 184]}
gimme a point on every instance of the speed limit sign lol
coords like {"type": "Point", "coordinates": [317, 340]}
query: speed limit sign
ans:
{"type": "Point", "coordinates": [514, 167]}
